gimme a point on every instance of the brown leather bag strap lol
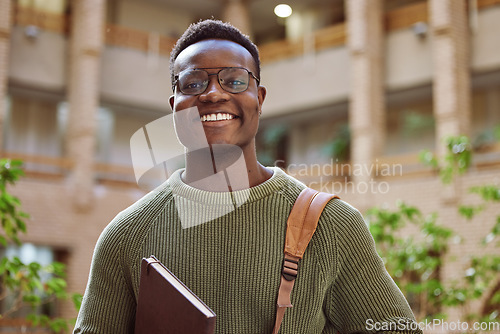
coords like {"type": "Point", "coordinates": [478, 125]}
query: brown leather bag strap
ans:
{"type": "Point", "coordinates": [301, 225]}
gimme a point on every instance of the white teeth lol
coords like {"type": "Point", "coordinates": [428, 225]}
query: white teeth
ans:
{"type": "Point", "coordinates": [216, 117]}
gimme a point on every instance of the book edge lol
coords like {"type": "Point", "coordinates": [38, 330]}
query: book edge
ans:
{"type": "Point", "coordinates": [181, 287]}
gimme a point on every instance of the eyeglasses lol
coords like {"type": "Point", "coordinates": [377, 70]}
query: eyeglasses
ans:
{"type": "Point", "coordinates": [231, 79]}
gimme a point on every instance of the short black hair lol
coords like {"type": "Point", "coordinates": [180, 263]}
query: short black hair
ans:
{"type": "Point", "coordinates": [212, 29]}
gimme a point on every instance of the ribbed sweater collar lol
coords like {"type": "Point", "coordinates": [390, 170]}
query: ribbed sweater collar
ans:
{"type": "Point", "coordinates": [273, 184]}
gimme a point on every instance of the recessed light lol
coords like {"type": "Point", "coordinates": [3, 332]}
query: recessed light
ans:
{"type": "Point", "coordinates": [283, 10]}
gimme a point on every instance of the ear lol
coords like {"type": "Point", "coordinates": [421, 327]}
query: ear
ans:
{"type": "Point", "coordinates": [261, 94]}
{"type": "Point", "coordinates": [171, 101]}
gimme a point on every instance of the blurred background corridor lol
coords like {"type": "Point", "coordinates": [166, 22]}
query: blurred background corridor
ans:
{"type": "Point", "coordinates": [356, 90]}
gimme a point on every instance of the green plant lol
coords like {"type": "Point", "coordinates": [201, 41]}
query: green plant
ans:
{"type": "Point", "coordinates": [26, 284]}
{"type": "Point", "coordinates": [484, 269]}
{"type": "Point", "coordinates": [456, 160]}
{"type": "Point", "coordinates": [11, 216]}
{"type": "Point", "coordinates": [415, 261]}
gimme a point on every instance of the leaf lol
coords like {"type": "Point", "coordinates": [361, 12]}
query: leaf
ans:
{"type": "Point", "coordinates": [495, 299]}
{"type": "Point", "coordinates": [56, 285]}
{"type": "Point", "coordinates": [32, 299]}
{"type": "Point", "coordinates": [497, 132]}
{"type": "Point", "coordinates": [469, 211]}
{"type": "Point", "coordinates": [487, 193]}
{"type": "Point", "coordinates": [56, 268]}
{"type": "Point", "coordinates": [34, 267]}
{"type": "Point", "coordinates": [428, 158]}
{"type": "Point", "coordinates": [77, 300]}
{"type": "Point", "coordinates": [3, 241]}
{"type": "Point", "coordinates": [58, 325]}
{"type": "Point", "coordinates": [21, 225]}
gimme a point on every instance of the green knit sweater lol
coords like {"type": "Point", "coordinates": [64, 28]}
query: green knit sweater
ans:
{"type": "Point", "coordinates": [228, 249]}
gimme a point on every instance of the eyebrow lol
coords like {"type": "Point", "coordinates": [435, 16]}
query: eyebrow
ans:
{"type": "Point", "coordinates": [221, 67]}
{"type": "Point", "coordinates": [212, 68]}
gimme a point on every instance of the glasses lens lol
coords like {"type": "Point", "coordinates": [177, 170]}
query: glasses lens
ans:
{"type": "Point", "coordinates": [193, 82]}
{"type": "Point", "coordinates": [234, 80]}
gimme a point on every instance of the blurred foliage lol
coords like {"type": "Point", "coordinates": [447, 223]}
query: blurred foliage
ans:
{"type": "Point", "coordinates": [415, 261]}
{"type": "Point", "coordinates": [274, 134]}
{"type": "Point", "coordinates": [27, 284]}
{"type": "Point", "coordinates": [339, 147]}
{"type": "Point", "coordinates": [12, 218]}
{"type": "Point", "coordinates": [270, 140]}
{"type": "Point", "coordinates": [414, 123]}
{"type": "Point", "coordinates": [486, 138]}
{"type": "Point", "coordinates": [456, 161]}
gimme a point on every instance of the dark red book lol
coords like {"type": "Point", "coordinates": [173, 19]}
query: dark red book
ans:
{"type": "Point", "coordinates": [167, 306]}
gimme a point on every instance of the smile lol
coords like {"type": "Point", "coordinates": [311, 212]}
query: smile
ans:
{"type": "Point", "coordinates": [217, 117]}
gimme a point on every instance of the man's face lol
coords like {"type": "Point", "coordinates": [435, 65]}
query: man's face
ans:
{"type": "Point", "coordinates": [243, 108]}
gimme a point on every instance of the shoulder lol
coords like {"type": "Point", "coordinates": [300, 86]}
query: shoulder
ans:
{"type": "Point", "coordinates": [342, 212]}
{"type": "Point", "coordinates": [337, 213]}
{"type": "Point", "coordinates": [125, 225]}
{"type": "Point", "coordinates": [344, 223]}
{"type": "Point", "coordinates": [149, 204]}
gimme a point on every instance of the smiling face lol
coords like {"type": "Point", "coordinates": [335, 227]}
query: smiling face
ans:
{"type": "Point", "coordinates": [227, 118]}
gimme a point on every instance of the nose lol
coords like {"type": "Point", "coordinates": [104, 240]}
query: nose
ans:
{"type": "Point", "coordinates": [214, 92]}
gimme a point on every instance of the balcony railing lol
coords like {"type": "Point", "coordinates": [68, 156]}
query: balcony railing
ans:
{"type": "Point", "coordinates": [139, 40]}
{"type": "Point", "coordinates": [406, 16]}
{"type": "Point", "coordinates": [324, 38]}
{"type": "Point", "coordinates": [47, 21]}
{"type": "Point", "coordinates": [408, 166]}
{"type": "Point", "coordinates": [56, 168]}
{"type": "Point", "coordinates": [328, 37]}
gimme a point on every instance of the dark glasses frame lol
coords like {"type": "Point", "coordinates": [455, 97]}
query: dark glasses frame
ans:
{"type": "Point", "coordinates": [176, 79]}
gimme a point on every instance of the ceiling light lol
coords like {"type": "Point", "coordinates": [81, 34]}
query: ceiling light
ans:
{"type": "Point", "coordinates": [283, 10]}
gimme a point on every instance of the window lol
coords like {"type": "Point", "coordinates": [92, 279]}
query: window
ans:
{"type": "Point", "coordinates": [32, 127]}
{"type": "Point", "coordinates": [485, 118]}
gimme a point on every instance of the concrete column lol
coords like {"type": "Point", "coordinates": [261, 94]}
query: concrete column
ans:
{"type": "Point", "coordinates": [85, 52]}
{"type": "Point", "coordinates": [237, 13]}
{"type": "Point", "coordinates": [451, 103]}
{"type": "Point", "coordinates": [5, 29]}
{"type": "Point", "coordinates": [451, 88]}
{"type": "Point", "coordinates": [367, 103]}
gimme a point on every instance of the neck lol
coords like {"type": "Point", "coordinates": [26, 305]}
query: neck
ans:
{"type": "Point", "coordinates": [222, 168]}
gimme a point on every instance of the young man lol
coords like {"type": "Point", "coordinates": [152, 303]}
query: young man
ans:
{"type": "Point", "coordinates": [219, 224]}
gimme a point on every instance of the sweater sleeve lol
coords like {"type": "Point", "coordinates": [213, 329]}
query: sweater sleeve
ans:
{"type": "Point", "coordinates": [363, 298]}
{"type": "Point", "coordinates": [109, 303]}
